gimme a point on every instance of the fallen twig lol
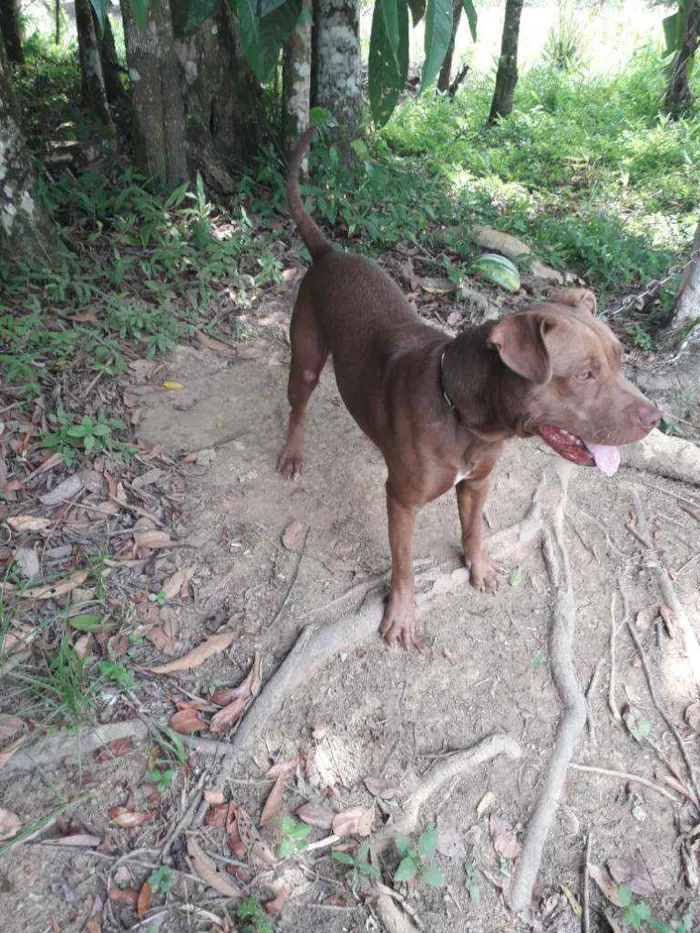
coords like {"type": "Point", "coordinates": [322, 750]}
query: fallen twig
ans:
{"type": "Point", "coordinates": [574, 715]}
{"type": "Point", "coordinates": [592, 683]}
{"type": "Point", "coordinates": [185, 820]}
{"type": "Point", "coordinates": [285, 600]}
{"type": "Point", "coordinates": [585, 906]}
{"type": "Point", "coordinates": [624, 776]}
{"type": "Point", "coordinates": [612, 702]}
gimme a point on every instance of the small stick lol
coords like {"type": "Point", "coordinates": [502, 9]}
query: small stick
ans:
{"type": "Point", "coordinates": [586, 907]}
{"type": "Point", "coordinates": [612, 702]}
{"type": "Point", "coordinates": [135, 509]}
{"type": "Point", "coordinates": [624, 776]}
{"type": "Point", "coordinates": [592, 684]}
{"type": "Point", "coordinates": [674, 495]}
{"type": "Point", "coordinates": [285, 600]}
{"type": "Point", "coordinates": [187, 817]}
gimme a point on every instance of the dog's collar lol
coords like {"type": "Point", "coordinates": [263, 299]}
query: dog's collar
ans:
{"type": "Point", "coordinates": [450, 403]}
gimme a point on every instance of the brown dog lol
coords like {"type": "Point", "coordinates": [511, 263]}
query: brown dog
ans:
{"type": "Point", "coordinates": [440, 409]}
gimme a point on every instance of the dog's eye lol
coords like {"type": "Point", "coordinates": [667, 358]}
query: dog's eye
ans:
{"type": "Point", "coordinates": [585, 374]}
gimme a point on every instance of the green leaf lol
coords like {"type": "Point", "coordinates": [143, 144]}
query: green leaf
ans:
{"type": "Point", "coordinates": [497, 269]}
{"type": "Point", "coordinates": [370, 870]}
{"type": "Point", "coordinates": [403, 845]}
{"type": "Point", "coordinates": [388, 57]}
{"type": "Point", "coordinates": [363, 852]}
{"type": "Point", "coordinates": [470, 10]}
{"type": "Point", "coordinates": [100, 8]}
{"type": "Point", "coordinates": [344, 858]}
{"type": "Point", "coordinates": [262, 37]}
{"type": "Point", "coordinates": [77, 430]}
{"type": "Point", "coordinates": [407, 869]}
{"type": "Point", "coordinates": [286, 848]}
{"type": "Point", "coordinates": [85, 623]}
{"type": "Point", "coordinates": [432, 874]}
{"type": "Point", "coordinates": [516, 577]}
{"type": "Point", "coordinates": [624, 896]}
{"type": "Point", "coordinates": [438, 31]}
{"type": "Point", "coordinates": [89, 442]}
{"type": "Point", "coordinates": [417, 10]}
{"type": "Point", "coordinates": [287, 825]}
{"type": "Point", "coordinates": [140, 10]}
{"type": "Point", "coordinates": [427, 843]}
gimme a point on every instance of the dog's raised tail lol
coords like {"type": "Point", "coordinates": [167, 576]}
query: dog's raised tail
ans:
{"type": "Point", "coordinates": [314, 240]}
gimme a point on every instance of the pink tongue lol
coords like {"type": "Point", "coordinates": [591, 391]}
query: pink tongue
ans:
{"type": "Point", "coordinates": [607, 458]}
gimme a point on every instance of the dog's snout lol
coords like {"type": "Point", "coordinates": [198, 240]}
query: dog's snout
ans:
{"type": "Point", "coordinates": [648, 416]}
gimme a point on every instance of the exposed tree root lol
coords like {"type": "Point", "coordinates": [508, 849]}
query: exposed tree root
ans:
{"type": "Point", "coordinates": [667, 456]}
{"type": "Point", "coordinates": [46, 753]}
{"type": "Point", "coordinates": [573, 700]}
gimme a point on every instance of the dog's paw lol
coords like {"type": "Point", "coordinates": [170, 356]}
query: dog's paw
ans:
{"type": "Point", "coordinates": [486, 575]}
{"type": "Point", "coordinates": [289, 462]}
{"type": "Point", "coordinates": [398, 628]}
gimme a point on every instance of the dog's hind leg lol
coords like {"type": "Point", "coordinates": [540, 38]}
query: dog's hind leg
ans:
{"type": "Point", "coordinates": [309, 355]}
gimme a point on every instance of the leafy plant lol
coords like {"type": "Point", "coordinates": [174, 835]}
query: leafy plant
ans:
{"type": "Point", "coordinates": [161, 880]}
{"type": "Point", "coordinates": [254, 918]}
{"type": "Point", "coordinates": [93, 435]}
{"type": "Point", "coordinates": [417, 860]}
{"type": "Point", "coordinates": [473, 882]}
{"type": "Point", "coordinates": [640, 914]}
{"type": "Point", "coordinates": [295, 836]}
{"type": "Point", "coordinates": [359, 864]}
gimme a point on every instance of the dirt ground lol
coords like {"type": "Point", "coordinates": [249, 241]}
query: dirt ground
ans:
{"type": "Point", "coordinates": [371, 712]}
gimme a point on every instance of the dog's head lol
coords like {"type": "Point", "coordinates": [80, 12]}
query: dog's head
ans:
{"type": "Point", "coordinates": [574, 395]}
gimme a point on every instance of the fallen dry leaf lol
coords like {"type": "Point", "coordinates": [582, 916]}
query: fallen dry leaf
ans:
{"type": "Point", "coordinates": [152, 539]}
{"type": "Point", "coordinates": [28, 523]}
{"type": "Point", "coordinates": [125, 896]}
{"type": "Point", "coordinates": [259, 853]}
{"type": "Point", "coordinates": [486, 804]}
{"type": "Point", "coordinates": [503, 838]}
{"type": "Point", "coordinates": [197, 656]}
{"type": "Point", "coordinates": [128, 819]}
{"type": "Point", "coordinates": [633, 875]}
{"type": "Point", "coordinates": [10, 726]}
{"type": "Point", "coordinates": [143, 904]}
{"type": "Point", "coordinates": [28, 562]}
{"type": "Point", "coordinates": [275, 906]}
{"type": "Point", "coordinates": [273, 804]}
{"type": "Point", "coordinates": [66, 490]}
{"type": "Point", "coordinates": [172, 586]}
{"type": "Point", "coordinates": [188, 722]}
{"type": "Point", "coordinates": [356, 821]}
{"type": "Point", "coordinates": [206, 869]}
{"type": "Point", "coordinates": [76, 841]}
{"type": "Point", "coordinates": [216, 816]}
{"type": "Point", "coordinates": [116, 749]}
{"type": "Point", "coordinates": [10, 824]}
{"type": "Point", "coordinates": [605, 883]}
{"type": "Point", "coordinates": [293, 536]}
{"type": "Point", "coordinates": [209, 343]}
{"type": "Point", "coordinates": [385, 790]}
{"type": "Point", "coordinates": [172, 385]}
{"type": "Point", "coordinates": [215, 796]}
{"type": "Point", "coordinates": [227, 716]}
{"type": "Point", "coordinates": [55, 590]}
{"type": "Point", "coordinates": [316, 814]}
{"type": "Point", "coordinates": [450, 843]}
{"type": "Point", "coordinates": [160, 640]}
{"type": "Point", "coordinates": [692, 716]}
{"type": "Point", "coordinates": [283, 767]}
{"type": "Point", "coordinates": [11, 750]}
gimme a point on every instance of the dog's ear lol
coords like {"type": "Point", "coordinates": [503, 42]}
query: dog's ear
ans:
{"type": "Point", "coordinates": [520, 341]}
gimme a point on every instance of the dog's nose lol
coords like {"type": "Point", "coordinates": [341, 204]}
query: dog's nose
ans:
{"type": "Point", "coordinates": [648, 416]}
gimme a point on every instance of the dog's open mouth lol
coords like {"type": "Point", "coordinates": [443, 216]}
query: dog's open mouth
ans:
{"type": "Point", "coordinates": [572, 448]}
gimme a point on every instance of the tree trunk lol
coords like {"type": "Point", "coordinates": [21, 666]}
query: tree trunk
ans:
{"type": "Point", "coordinates": [223, 101]}
{"type": "Point", "coordinates": [93, 92]}
{"type": "Point", "coordinates": [679, 98]}
{"type": "Point", "coordinates": [507, 74]}
{"type": "Point", "coordinates": [158, 112]}
{"type": "Point", "coordinates": [296, 79]}
{"type": "Point", "coordinates": [11, 28]}
{"type": "Point", "coordinates": [111, 69]}
{"type": "Point", "coordinates": [337, 61]}
{"type": "Point", "coordinates": [446, 69]}
{"type": "Point", "coordinates": [25, 228]}
{"type": "Point", "coordinates": [58, 21]}
{"type": "Point", "coordinates": [687, 303]}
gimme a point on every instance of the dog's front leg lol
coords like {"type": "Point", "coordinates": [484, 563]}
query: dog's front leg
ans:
{"type": "Point", "coordinates": [485, 574]}
{"type": "Point", "coordinates": [398, 625]}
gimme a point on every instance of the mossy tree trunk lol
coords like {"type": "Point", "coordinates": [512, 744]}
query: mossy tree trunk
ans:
{"type": "Point", "coordinates": [11, 29]}
{"type": "Point", "coordinates": [507, 74]}
{"type": "Point", "coordinates": [93, 91]}
{"type": "Point", "coordinates": [111, 69]}
{"type": "Point", "coordinates": [158, 113]}
{"type": "Point", "coordinates": [296, 79]}
{"type": "Point", "coordinates": [25, 228]}
{"type": "Point", "coordinates": [336, 79]}
{"type": "Point", "coordinates": [687, 304]}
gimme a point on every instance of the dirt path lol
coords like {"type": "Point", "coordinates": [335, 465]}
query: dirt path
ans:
{"type": "Point", "coordinates": [391, 715]}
